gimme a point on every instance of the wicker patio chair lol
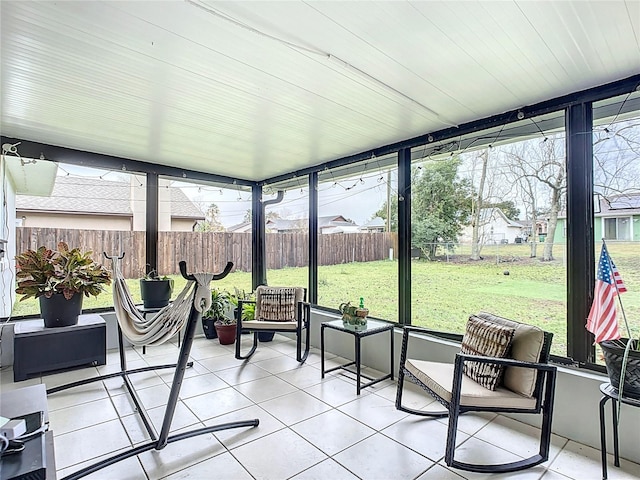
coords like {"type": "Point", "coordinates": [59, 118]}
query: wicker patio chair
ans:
{"type": "Point", "coordinates": [277, 309]}
{"type": "Point", "coordinates": [502, 367]}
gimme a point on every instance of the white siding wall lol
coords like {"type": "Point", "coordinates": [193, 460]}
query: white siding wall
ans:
{"type": "Point", "coordinates": [7, 232]}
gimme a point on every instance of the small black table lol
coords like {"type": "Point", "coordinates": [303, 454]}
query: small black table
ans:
{"type": "Point", "coordinates": [371, 328]}
{"type": "Point", "coordinates": [611, 393]}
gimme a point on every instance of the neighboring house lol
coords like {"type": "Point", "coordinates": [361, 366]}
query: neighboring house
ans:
{"type": "Point", "coordinates": [327, 224]}
{"type": "Point", "coordinates": [375, 225]}
{"type": "Point", "coordinates": [540, 230]}
{"type": "Point", "coordinates": [96, 204]}
{"type": "Point", "coordinates": [244, 227]}
{"type": "Point", "coordinates": [495, 227]}
{"type": "Point", "coordinates": [618, 218]}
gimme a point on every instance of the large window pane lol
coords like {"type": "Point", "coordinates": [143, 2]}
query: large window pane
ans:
{"type": "Point", "coordinates": [616, 170]}
{"type": "Point", "coordinates": [206, 225]}
{"type": "Point", "coordinates": [287, 234]}
{"type": "Point", "coordinates": [357, 237]}
{"type": "Point", "coordinates": [91, 209]}
{"type": "Point", "coordinates": [488, 228]}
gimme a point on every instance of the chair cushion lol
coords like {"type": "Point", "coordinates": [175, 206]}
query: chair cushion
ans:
{"type": "Point", "coordinates": [278, 304]}
{"type": "Point", "coordinates": [439, 378]}
{"type": "Point", "coordinates": [527, 344]}
{"type": "Point", "coordinates": [268, 325]}
{"type": "Point", "coordinates": [483, 337]}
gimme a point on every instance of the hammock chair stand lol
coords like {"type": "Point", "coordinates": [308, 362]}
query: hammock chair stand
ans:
{"type": "Point", "coordinates": [158, 441]}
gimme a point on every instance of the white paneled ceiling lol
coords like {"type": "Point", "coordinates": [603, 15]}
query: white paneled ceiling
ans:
{"type": "Point", "coordinates": [252, 90]}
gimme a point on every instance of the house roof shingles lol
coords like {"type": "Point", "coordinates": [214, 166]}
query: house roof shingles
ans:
{"type": "Point", "coordinates": [81, 195]}
{"type": "Point", "coordinates": [97, 196]}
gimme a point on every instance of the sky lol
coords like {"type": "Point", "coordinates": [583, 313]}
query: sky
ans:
{"type": "Point", "coordinates": [352, 198]}
{"type": "Point", "coordinates": [356, 198]}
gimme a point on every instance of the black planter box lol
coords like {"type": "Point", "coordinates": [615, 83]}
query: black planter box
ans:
{"type": "Point", "coordinates": [39, 350]}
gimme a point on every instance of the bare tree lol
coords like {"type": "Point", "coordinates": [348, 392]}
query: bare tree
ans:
{"type": "Point", "coordinates": [477, 206]}
{"type": "Point", "coordinates": [527, 188]}
{"type": "Point", "coordinates": [539, 168]}
{"type": "Point", "coordinates": [616, 150]}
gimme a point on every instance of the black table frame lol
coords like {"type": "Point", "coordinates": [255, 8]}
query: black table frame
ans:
{"type": "Point", "coordinates": [358, 336]}
{"type": "Point", "coordinates": [611, 393]}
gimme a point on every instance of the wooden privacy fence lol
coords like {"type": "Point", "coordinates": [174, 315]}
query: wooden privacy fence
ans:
{"type": "Point", "coordinates": [210, 251]}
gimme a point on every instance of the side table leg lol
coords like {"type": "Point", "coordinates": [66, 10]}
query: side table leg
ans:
{"type": "Point", "coordinates": [603, 437]}
{"type": "Point", "coordinates": [357, 365]}
{"type": "Point", "coordinates": [616, 451]}
{"type": "Point", "coordinates": [322, 350]}
{"type": "Point", "coordinates": [391, 332]}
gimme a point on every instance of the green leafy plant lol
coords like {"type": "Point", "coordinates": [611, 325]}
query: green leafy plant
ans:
{"type": "Point", "coordinates": [152, 275]}
{"type": "Point", "coordinates": [45, 272]}
{"type": "Point", "coordinates": [248, 309]}
{"type": "Point", "coordinates": [220, 303]}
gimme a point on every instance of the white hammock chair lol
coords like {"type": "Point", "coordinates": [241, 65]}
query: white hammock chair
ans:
{"type": "Point", "coordinates": [185, 309]}
{"type": "Point", "coordinates": [169, 321]}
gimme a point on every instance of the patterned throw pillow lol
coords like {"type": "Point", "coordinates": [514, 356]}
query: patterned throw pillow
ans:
{"type": "Point", "coordinates": [277, 304]}
{"type": "Point", "coordinates": [490, 340]}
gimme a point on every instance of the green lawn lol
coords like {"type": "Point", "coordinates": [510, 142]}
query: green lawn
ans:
{"type": "Point", "coordinates": [444, 293]}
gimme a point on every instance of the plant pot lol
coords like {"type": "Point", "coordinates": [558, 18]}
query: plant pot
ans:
{"type": "Point", "coordinates": [57, 311]}
{"type": "Point", "coordinates": [266, 336]}
{"type": "Point", "coordinates": [613, 356]}
{"type": "Point", "coordinates": [226, 333]}
{"type": "Point", "coordinates": [155, 293]}
{"type": "Point", "coordinates": [209, 328]}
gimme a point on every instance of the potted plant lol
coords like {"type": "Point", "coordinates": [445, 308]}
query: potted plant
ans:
{"type": "Point", "coordinates": [354, 317]}
{"type": "Point", "coordinates": [155, 290]}
{"type": "Point", "coordinates": [59, 279]}
{"type": "Point", "coordinates": [226, 330]}
{"type": "Point", "coordinates": [220, 306]}
{"type": "Point", "coordinates": [622, 358]}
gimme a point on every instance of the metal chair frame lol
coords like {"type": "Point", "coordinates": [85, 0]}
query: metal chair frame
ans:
{"type": "Point", "coordinates": [543, 393]}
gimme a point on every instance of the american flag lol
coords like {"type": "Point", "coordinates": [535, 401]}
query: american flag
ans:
{"type": "Point", "coordinates": [602, 320]}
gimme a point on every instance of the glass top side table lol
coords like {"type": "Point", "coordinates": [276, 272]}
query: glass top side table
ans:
{"type": "Point", "coordinates": [371, 328]}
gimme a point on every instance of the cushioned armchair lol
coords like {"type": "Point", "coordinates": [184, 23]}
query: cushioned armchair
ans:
{"type": "Point", "coordinates": [502, 367]}
{"type": "Point", "coordinates": [277, 309]}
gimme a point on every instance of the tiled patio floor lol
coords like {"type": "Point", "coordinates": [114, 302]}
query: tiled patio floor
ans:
{"type": "Point", "coordinates": [310, 428]}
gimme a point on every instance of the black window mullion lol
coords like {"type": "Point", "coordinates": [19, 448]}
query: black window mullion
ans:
{"type": "Point", "coordinates": [404, 236]}
{"type": "Point", "coordinates": [580, 231]}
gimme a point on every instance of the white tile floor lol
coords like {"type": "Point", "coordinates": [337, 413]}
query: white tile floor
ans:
{"type": "Point", "coordinates": [310, 428]}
